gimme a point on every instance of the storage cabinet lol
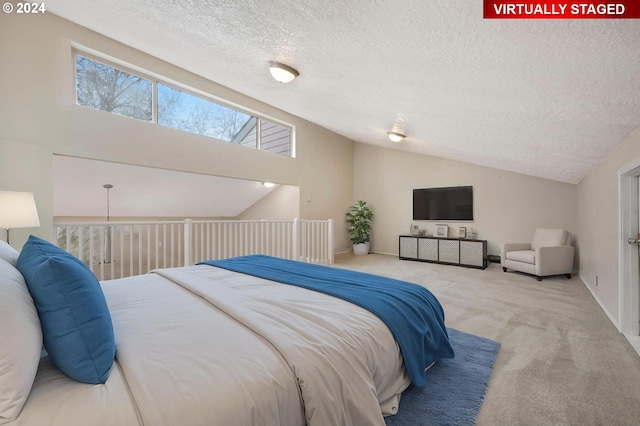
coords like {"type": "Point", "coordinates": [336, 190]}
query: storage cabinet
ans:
{"type": "Point", "coordinates": [452, 251]}
{"type": "Point", "coordinates": [409, 247]}
{"type": "Point", "coordinates": [427, 249]}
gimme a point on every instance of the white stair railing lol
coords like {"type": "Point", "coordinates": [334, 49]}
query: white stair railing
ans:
{"type": "Point", "coordinates": [121, 249]}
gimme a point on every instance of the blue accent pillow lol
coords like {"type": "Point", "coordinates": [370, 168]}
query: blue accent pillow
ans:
{"type": "Point", "coordinates": [76, 323]}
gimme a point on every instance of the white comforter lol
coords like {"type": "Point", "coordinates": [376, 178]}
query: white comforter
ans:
{"type": "Point", "coordinates": [204, 346]}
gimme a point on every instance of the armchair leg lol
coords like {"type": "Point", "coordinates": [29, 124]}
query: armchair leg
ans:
{"type": "Point", "coordinates": [539, 278]}
{"type": "Point", "coordinates": [504, 269]}
{"type": "Point", "coordinates": [568, 276]}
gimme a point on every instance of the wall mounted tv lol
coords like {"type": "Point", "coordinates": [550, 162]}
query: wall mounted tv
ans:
{"type": "Point", "coordinates": [450, 203]}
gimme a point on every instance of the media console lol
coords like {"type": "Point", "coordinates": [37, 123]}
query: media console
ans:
{"type": "Point", "coordinates": [450, 251]}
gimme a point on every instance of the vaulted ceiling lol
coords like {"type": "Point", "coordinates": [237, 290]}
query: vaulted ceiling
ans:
{"type": "Point", "coordinates": [548, 98]}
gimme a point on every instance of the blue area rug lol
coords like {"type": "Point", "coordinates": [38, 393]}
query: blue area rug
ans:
{"type": "Point", "coordinates": [455, 387]}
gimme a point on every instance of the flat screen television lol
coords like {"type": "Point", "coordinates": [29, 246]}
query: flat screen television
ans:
{"type": "Point", "coordinates": [450, 203]}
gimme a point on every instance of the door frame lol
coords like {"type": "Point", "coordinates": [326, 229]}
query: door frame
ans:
{"type": "Point", "coordinates": [628, 264]}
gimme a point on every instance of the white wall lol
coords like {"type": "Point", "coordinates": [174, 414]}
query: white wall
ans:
{"type": "Point", "coordinates": [598, 221]}
{"type": "Point", "coordinates": [507, 206]}
{"type": "Point", "coordinates": [38, 108]}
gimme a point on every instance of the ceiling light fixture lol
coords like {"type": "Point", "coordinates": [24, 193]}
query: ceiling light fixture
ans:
{"type": "Point", "coordinates": [397, 132]}
{"type": "Point", "coordinates": [281, 72]}
{"type": "Point", "coordinates": [107, 229]}
{"type": "Point", "coordinates": [107, 186]}
{"type": "Point", "coordinates": [268, 184]}
{"type": "Point", "coordinates": [396, 136]}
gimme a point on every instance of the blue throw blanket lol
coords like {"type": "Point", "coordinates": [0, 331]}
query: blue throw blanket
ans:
{"type": "Point", "coordinates": [412, 313]}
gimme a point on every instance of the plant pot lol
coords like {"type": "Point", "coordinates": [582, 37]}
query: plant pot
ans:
{"type": "Point", "coordinates": [361, 249]}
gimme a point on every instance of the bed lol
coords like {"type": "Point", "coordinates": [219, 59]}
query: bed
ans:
{"type": "Point", "coordinates": [197, 345]}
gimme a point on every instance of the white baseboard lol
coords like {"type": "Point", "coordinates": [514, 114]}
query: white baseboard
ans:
{"type": "Point", "coordinates": [602, 306]}
{"type": "Point", "coordinates": [386, 254]}
{"type": "Point", "coordinates": [371, 252]}
{"type": "Point", "coordinates": [634, 341]}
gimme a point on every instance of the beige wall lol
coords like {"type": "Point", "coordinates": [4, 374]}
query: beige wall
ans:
{"type": "Point", "coordinates": [281, 203]}
{"type": "Point", "coordinates": [28, 167]}
{"type": "Point", "coordinates": [38, 110]}
{"type": "Point", "coordinates": [507, 206]}
{"type": "Point", "coordinates": [598, 222]}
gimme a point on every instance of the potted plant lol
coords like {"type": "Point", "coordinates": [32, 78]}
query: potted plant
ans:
{"type": "Point", "coordinates": [359, 219]}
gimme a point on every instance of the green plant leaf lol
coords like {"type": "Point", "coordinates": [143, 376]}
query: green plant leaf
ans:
{"type": "Point", "coordinates": [359, 217]}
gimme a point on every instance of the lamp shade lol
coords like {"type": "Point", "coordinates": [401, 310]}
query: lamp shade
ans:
{"type": "Point", "coordinates": [18, 210]}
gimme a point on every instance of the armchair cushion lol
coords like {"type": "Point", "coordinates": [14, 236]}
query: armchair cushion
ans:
{"type": "Point", "coordinates": [509, 247]}
{"type": "Point", "coordinates": [526, 256]}
{"type": "Point", "coordinates": [549, 237]}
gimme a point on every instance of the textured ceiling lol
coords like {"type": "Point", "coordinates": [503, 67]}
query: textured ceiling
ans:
{"type": "Point", "coordinates": [548, 98]}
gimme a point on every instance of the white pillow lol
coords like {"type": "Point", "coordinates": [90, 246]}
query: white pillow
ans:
{"type": "Point", "coordinates": [20, 342]}
{"type": "Point", "coordinates": [8, 253]}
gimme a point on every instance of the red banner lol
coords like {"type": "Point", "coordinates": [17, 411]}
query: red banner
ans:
{"type": "Point", "coordinates": [543, 9]}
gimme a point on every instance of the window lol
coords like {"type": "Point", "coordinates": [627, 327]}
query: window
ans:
{"type": "Point", "coordinates": [184, 111]}
{"type": "Point", "coordinates": [108, 88]}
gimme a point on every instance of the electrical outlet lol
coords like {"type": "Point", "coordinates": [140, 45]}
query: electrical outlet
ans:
{"type": "Point", "coordinates": [596, 281]}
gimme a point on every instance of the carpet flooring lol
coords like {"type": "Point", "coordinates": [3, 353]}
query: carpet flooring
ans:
{"type": "Point", "coordinates": [561, 360]}
{"type": "Point", "coordinates": [455, 387]}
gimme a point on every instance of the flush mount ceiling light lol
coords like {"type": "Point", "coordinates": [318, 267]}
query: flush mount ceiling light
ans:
{"type": "Point", "coordinates": [268, 184]}
{"type": "Point", "coordinates": [281, 72]}
{"type": "Point", "coordinates": [397, 132]}
{"type": "Point", "coordinates": [396, 136]}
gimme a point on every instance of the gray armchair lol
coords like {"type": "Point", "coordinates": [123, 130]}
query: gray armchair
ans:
{"type": "Point", "coordinates": [550, 253]}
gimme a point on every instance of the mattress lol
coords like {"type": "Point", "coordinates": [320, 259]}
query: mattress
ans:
{"type": "Point", "coordinates": [201, 345]}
